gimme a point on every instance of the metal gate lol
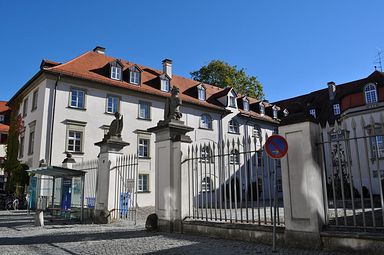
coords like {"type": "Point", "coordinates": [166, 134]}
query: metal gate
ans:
{"type": "Point", "coordinates": [125, 178]}
{"type": "Point", "coordinates": [233, 181]}
{"type": "Point", "coordinates": [353, 154]}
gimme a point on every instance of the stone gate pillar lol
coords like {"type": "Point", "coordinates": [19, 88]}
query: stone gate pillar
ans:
{"type": "Point", "coordinates": [110, 149]}
{"type": "Point", "coordinates": [302, 176]}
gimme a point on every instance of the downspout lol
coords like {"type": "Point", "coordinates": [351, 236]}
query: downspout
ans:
{"type": "Point", "coordinates": [53, 120]}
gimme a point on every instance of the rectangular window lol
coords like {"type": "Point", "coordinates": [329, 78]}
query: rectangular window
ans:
{"type": "Point", "coordinates": [143, 148]}
{"type": "Point", "coordinates": [1, 118]}
{"type": "Point", "coordinates": [34, 99]}
{"type": "Point", "coordinates": [312, 112]}
{"type": "Point", "coordinates": [232, 101]}
{"type": "Point", "coordinates": [21, 148]}
{"type": "Point", "coordinates": [377, 142]}
{"type": "Point", "coordinates": [112, 104]}
{"type": "Point", "coordinates": [116, 73]}
{"type": "Point", "coordinates": [77, 98]}
{"type": "Point", "coordinates": [201, 94]}
{"type": "Point", "coordinates": [134, 77]}
{"type": "Point", "coordinates": [246, 105]}
{"type": "Point", "coordinates": [144, 110]}
{"type": "Point", "coordinates": [143, 184]}
{"type": "Point", "coordinates": [165, 85]}
{"type": "Point", "coordinates": [74, 141]}
{"type": "Point", "coordinates": [25, 107]}
{"type": "Point", "coordinates": [336, 109]}
{"type": "Point", "coordinates": [31, 144]}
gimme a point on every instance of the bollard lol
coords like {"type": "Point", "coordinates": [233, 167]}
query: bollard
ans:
{"type": "Point", "coordinates": [39, 218]}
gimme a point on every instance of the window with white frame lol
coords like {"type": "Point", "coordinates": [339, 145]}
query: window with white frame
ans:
{"type": "Point", "coordinates": [234, 157]}
{"type": "Point", "coordinates": [206, 154]}
{"type": "Point", "coordinates": [144, 110]}
{"type": "Point", "coordinates": [233, 127]}
{"type": "Point", "coordinates": [312, 112]}
{"type": "Point", "coordinates": [205, 121]}
{"type": "Point", "coordinates": [206, 184]}
{"type": "Point", "coordinates": [246, 105]}
{"type": "Point", "coordinates": [370, 94]}
{"type": "Point", "coordinates": [336, 109]}
{"type": "Point", "coordinates": [75, 136]}
{"type": "Point", "coordinates": [112, 104]}
{"type": "Point", "coordinates": [34, 99]}
{"type": "Point", "coordinates": [285, 112]}
{"type": "Point", "coordinates": [77, 98]}
{"type": "Point", "coordinates": [74, 143]}
{"type": "Point", "coordinates": [232, 101]}
{"type": "Point", "coordinates": [116, 72]}
{"type": "Point", "coordinates": [143, 183]}
{"type": "Point", "coordinates": [201, 93]}
{"type": "Point", "coordinates": [165, 85]}
{"type": "Point", "coordinates": [143, 148]}
{"type": "Point", "coordinates": [25, 107]}
{"type": "Point", "coordinates": [2, 118]}
{"type": "Point", "coordinates": [256, 131]}
{"type": "Point", "coordinates": [275, 111]}
{"type": "Point", "coordinates": [262, 108]}
{"type": "Point", "coordinates": [134, 77]}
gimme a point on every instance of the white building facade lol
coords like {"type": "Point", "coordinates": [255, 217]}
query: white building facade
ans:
{"type": "Point", "coordinates": [66, 108]}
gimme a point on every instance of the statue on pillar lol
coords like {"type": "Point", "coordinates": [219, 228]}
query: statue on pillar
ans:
{"type": "Point", "coordinates": [115, 128]}
{"type": "Point", "coordinates": [172, 106]}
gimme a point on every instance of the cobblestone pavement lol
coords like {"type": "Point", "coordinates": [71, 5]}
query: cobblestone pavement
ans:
{"type": "Point", "coordinates": [18, 235]}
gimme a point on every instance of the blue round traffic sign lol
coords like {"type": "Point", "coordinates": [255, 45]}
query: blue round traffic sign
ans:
{"type": "Point", "coordinates": [276, 146]}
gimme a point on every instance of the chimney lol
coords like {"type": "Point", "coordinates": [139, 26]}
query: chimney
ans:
{"type": "Point", "coordinates": [167, 67]}
{"type": "Point", "coordinates": [99, 49]}
{"type": "Point", "coordinates": [331, 90]}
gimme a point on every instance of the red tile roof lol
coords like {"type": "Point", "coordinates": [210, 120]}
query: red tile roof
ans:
{"type": "Point", "coordinates": [4, 128]}
{"type": "Point", "coordinates": [3, 106]}
{"type": "Point", "coordinates": [92, 66]}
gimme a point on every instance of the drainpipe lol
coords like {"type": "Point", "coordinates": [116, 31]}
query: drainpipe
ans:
{"type": "Point", "coordinates": [53, 120]}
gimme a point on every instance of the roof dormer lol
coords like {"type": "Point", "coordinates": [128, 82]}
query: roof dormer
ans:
{"type": "Point", "coordinates": [246, 104]}
{"type": "Point", "coordinates": [201, 92]}
{"type": "Point", "coordinates": [231, 99]}
{"type": "Point", "coordinates": [116, 70]}
{"type": "Point", "coordinates": [135, 75]}
{"type": "Point", "coordinates": [165, 83]}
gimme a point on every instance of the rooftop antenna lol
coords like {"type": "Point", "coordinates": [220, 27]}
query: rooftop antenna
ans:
{"type": "Point", "coordinates": [379, 60]}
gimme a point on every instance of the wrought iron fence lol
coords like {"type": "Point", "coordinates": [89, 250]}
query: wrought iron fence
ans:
{"type": "Point", "coordinates": [353, 159]}
{"type": "Point", "coordinates": [90, 167]}
{"type": "Point", "coordinates": [233, 181]}
{"type": "Point", "coordinates": [125, 178]}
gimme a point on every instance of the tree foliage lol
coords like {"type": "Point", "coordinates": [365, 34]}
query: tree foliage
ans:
{"type": "Point", "coordinates": [17, 176]}
{"type": "Point", "coordinates": [222, 74]}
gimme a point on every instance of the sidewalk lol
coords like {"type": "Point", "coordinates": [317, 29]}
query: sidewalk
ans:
{"type": "Point", "coordinates": [18, 235]}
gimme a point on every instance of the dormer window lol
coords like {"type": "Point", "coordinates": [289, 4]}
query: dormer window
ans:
{"type": "Point", "coordinates": [286, 112]}
{"type": "Point", "coordinates": [336, 109]}
{"type": "Point", "coordinates": [262, 108]}
{"type": "Point", "coordinates": [201, 93]}
{"type": "Point", "coordinates": [274, 108]}
{"type": "Point", "coordinates": [165, 85]}
{"type": "Point", "coordinates": [1, 118]}
{"type": "Point", "coordinates": [370, 94]}
{"type": "Point", "coordinates": [246, 105]}
{"type": "Point", "coordinates": [134, 77]}
{"type": "Point", "coordinates": [232, 101]}
{"type": "Point", "coordinates": [116, 73]}
{"type": "Point", "coordinates": [313, 112]}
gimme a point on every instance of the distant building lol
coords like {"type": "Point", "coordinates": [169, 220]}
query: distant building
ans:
{"type": "Point", "coordinates": [67, 107]}
{"type": "Point", "coordinates": [4, 128]}
{"type": "Point", "coordinates": [351, 116]}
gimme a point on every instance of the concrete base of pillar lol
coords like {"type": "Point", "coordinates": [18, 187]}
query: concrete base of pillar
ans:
{"type": "Point", "coordinates": [170, 226]}
{"type": "Point", "coordinates": [102, 217]}
{"type": "Point", "coordinates": [39, 218]}
{"type": "Point", "coordinates": [307, 240]}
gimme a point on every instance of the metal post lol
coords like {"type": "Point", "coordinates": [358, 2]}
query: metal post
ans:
{"type": "Point", "coordinates": [274, 210]}
{"type": "Point", "coordinates": [82, 198]}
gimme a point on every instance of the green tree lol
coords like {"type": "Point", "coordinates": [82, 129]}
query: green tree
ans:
{"type": "Point", "coordinates": [222, 74]}
{"type": "Point", "coordinates": [17, 176]}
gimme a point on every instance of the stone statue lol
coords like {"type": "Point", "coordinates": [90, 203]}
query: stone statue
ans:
{"type": "Point", "coordinates": [115, 128]}
{"type": "Point", "coordinates": [172, 106]}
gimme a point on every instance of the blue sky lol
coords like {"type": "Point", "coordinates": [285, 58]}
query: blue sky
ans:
{"type": "Point", "coordinates": [293, 47]}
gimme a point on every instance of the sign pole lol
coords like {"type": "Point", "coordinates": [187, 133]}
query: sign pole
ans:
{"type": "Point", "coordinates": [276, 147]}
{"type": "Point", "coordinates": [274, 207]}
